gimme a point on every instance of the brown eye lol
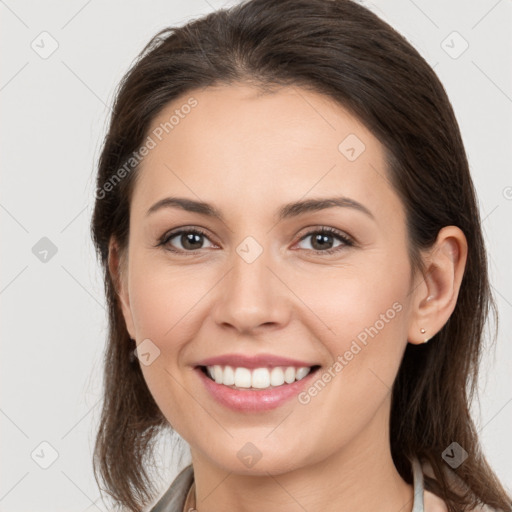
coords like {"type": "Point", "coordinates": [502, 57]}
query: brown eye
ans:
{"type": "Point", "coordinates": [323, 240]}
{"type": "Point", "coordinates": [185, 240]}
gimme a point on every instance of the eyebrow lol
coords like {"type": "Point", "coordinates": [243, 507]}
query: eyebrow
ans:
{"type": "Point", "coordinates": [286, 212]}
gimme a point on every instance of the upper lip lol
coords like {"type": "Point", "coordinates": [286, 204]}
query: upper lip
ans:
{"type": "Point", "coordinates": [257, 361]}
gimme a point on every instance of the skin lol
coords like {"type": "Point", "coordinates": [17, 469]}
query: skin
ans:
{"type": "Point", "coordinates": [249, 153]}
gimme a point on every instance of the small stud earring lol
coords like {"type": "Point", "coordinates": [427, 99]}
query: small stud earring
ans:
{"type": "Point", "coordinates": [423, 331]}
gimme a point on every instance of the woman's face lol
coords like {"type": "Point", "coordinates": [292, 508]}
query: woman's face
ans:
{"type": "Point", "coordinates": [263, 280]}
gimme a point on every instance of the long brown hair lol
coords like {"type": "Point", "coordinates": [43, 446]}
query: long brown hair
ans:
{"type": "Point", "coordinates": [342, 50]}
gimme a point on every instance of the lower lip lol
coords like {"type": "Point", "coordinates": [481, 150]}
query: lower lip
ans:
{"type": "Point", "coordinates": [249, 400]}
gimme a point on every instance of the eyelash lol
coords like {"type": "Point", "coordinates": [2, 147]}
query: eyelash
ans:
{"type": "Point", "coordinates": [347, 242]}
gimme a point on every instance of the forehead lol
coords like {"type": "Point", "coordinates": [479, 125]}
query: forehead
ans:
{"type": "Point", "coordinates": [240, 145]}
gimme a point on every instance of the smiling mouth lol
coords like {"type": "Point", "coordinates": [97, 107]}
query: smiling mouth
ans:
{"type": "Point", "coordinates": [258, 378]}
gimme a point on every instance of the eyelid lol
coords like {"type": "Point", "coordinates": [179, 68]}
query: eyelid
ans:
{"type": "Point", "coordinates": [168, 235]}
{"type": "Point", "coordinates": [327, 229]}
{"type": "Point", "coordinates": [347, 240]}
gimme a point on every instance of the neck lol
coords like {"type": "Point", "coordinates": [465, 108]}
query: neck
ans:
{"type": "Point", "coordinates": [359, 476]}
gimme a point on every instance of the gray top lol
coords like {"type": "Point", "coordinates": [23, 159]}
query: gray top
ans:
{"type": "Point", "coordinates": [174, 498]}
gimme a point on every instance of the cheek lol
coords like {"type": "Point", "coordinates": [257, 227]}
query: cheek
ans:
{"type": "Point", "coordinates": [165, 303]}
{"type": "Point", "coordinates": [162, 300]}
{"type": "Point", "coordinates": [363, 320]}
{"type": "Point", "coordinates": [354, 300]}
{"type": "Point", "coordinates": [365, 339]}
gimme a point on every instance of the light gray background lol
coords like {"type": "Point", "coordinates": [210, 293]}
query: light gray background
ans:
{"type": "Point", "coordinates": [54, 113]}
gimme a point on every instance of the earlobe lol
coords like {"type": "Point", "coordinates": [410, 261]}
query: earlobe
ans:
{"type": "Point", "coordinates": [436, 297]}
{"type": "Point", "coordinates": [117, 269]}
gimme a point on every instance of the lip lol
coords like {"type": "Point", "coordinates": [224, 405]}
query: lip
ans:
{"type": "Point", "coordinates": [251, 362]}
{"type": "Point", "coordinates": [254, 400]}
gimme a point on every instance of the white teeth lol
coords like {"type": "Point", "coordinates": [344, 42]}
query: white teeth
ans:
{"type": "Point", "coordinates": [277, 376]}
{"type": "Point", "coordinates": [258, 378]}
{"type": "Point", "coordinates": [301, 372]}
{"type": "Point", "coordinates": [242, 378]}
{"type": "Point", "coordinates": [289, 375]}
{"type": "Point", "coordinates": [217, 374]}
{"type": "Point", "coordinates": [228, 377]}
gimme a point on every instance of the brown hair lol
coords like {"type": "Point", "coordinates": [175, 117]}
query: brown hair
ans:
{"type": "Point", "coordinates": [342, 50]}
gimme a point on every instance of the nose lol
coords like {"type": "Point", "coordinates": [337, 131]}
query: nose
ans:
{"type": "Point", "coordinates": [252, 297]}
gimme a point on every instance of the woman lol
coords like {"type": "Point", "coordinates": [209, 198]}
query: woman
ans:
{"type": "Point", "coordinates": [292, 248]}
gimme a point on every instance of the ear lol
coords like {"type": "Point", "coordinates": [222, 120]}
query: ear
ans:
{"type": "Point", "coordinates": [435, 296]}
{"type": "Point", "coordinates": [118, 268]}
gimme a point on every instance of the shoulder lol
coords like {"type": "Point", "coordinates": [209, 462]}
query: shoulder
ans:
{"type": "Point", "coordinates": [173, 499]}
{"type": "Point", "coordinates": [433, 503]}
{"type": "Point", "coordinates": [483, 508]}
